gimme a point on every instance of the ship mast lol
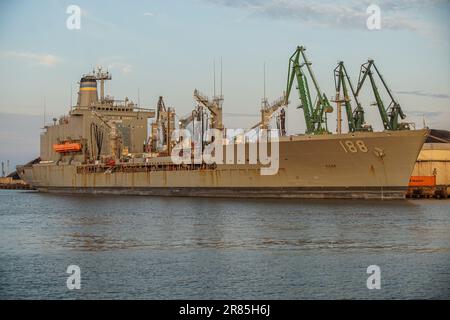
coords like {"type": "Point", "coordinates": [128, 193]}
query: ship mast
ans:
{"type": "Point", "coordinates": [102, 76]}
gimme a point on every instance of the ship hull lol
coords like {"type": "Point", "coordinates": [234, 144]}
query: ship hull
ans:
{"type": "Point", "coordinates": [237, 192]}
{"type": "Point", "coordinates": [360, 165]}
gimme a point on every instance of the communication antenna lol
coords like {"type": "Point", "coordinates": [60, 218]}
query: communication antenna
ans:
{"type": "Point", "coordinates": [45, 115]}
{"type": "Point", "coordinates": [139, 99]}
{"type": "Point", "coordinates": [108, 84]}
{"type": "Point", "coordinates": [264, 103]}
{"type": "Point", "coordinates": [221, 76]}
{"type": "Point", "coordinates": [214, 73]}
{"type": "Point", "coordinates": [264, 71]}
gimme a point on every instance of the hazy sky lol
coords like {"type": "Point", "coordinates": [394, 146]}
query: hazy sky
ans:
{"type": "Point", "coordinates": [168, 47]}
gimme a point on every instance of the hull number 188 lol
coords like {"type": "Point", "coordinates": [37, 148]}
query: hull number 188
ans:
{"type": "Point", "coordinates": [350, 146]}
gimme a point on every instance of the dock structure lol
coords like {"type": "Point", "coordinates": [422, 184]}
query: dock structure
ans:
{"type": "Point", "coordinates": [10, 183]}
{"type": "Point", "coordinates": [13, 181]}
{"type": "Point", "coordinates": [431, 174]}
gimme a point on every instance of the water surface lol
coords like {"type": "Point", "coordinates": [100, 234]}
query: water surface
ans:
{"type": "Point", "coordinates": [200, 248]}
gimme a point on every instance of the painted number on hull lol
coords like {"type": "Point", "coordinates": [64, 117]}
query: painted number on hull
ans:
{"type": "Point", "coordinates": [354, 147]}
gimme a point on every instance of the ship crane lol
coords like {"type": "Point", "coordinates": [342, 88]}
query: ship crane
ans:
{"type": "Point", "coordinates": [389, 116]}
{"type": "Point", "coordinates": [267, 112]}
{"type": "Point", "coordinates": [163, 126]}
{"type": "Point", "coordinates": [214, 106]}
{"type": "Point", "coordinates": [315, 115]}
{"type": "Point", "coordinates": [355, 118]}
{"type": "Point", "coordinates": [186, 120]}
{"type": "Point", "coordinates": [114, 136]}
{"type": "Point", "coordinates": [160, 115]}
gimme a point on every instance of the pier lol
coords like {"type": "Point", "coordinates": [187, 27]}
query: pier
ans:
{"type": "Point", "coordinates": [14, 184]}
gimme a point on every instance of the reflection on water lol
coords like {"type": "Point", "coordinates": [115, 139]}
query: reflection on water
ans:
{"type": "Point", "coordinates": [87, 221]}
{"type": "Point", "coordinates": [89, 242]}
{"type": "Point", "coordinates": [221, 248]}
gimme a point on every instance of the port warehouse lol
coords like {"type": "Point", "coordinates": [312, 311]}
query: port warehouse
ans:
{"type": "Point", "coordinates": [431, 174]}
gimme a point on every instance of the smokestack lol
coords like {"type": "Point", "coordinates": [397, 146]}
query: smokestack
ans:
{"type": "Point", "coordinates": [87, 96]}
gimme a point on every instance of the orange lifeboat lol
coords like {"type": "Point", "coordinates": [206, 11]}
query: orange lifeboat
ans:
{"type": "Point", "coordinates": [67, 147]}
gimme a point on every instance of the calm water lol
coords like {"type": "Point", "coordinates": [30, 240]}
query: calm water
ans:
{"type": "Point", "coordinates": [184, 248]}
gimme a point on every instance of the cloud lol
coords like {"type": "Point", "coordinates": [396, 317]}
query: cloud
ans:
{"type": "Point", "coordinates": [127, 69]}
{"type": "Point", "coordinates": [338, 13]}
{"type": "Point", "coordinates": [425, 94]}
{"type": "Point", "coordinates": [149, 14]}
{"type": "Point", "coordinates": [89, 17]}
{"type": "Point", "coordinates": [122, 67]}
{"type": "Point", "coordinates": [116, 63]}
{"type": "Point", "coordinates": [429, 114]}
{"type": "Point", "coordinates": [41, 59]}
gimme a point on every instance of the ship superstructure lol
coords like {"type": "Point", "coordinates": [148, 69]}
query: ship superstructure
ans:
{"type": "Point", "coordinates": [98, 128]}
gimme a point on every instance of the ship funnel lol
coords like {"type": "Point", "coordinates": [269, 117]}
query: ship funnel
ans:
{"type": "Point", "coordinates": [87, 96]}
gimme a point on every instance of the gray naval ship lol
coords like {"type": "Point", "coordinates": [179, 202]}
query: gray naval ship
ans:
{"type": "Point", "coordinates": [102, 147]}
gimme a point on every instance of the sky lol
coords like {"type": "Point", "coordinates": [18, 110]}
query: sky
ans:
{"type": "Point", "coordinates": [168, 48]}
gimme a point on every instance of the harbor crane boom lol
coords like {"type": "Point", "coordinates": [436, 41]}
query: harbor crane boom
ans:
{"type": "Point", "coordinates": [315, 115]}
{"type": "Point", "coordinates": [389, 116]}
{"type": "Point", "coordinates": [355, 118]}
{"type": "Point", "coordinates": [213, 106]}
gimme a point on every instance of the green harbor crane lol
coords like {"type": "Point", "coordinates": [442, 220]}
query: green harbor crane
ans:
{"type": "Point", "coordinates": [315, 114]}
{"type": "Point", "coordinates": [355, 118]}
{"type": "Point", "coordinates": [389, 116]}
